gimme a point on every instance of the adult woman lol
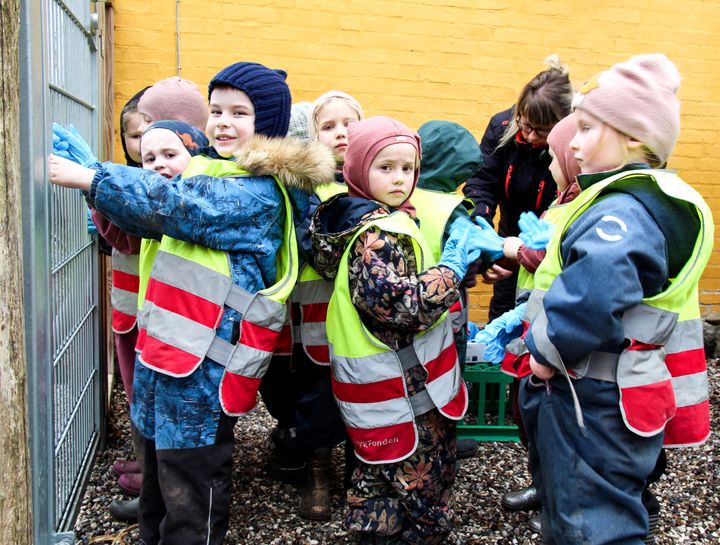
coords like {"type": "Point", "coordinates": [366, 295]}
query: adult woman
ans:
{"type": "Point", "coordinates": [515, 176]}
{"type": "Point", "coordinates": [515, 173]}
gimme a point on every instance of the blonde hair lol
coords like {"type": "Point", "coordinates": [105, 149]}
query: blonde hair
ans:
{"type": "Point", "coordinates": [544, 100]}
{"type": "Point", "coordinates": [325, 99]}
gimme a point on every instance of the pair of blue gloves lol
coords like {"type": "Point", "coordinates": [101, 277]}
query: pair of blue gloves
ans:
{"type": "Point", "coordinates": [534, 232]}
{"type": "Point", "coordinates": [68, 143]}
{"type": "Point", "coordinates": [497, 334]}
{"type": "Point", "coordinates": [467, 242]}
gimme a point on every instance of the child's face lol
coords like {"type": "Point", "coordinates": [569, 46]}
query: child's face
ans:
{"type": "Point", "coordinates": [231, 122]}
{"type": "Point", "coordinates": [134, 127]}
{"type": "Point", "coordinates": [332, 122]}
{"type": "Point", "coordinates": [392, 173]}
{"type": "Point", "coordinates": [597, 146]}
{"type": "Point", "coordinates": [556, 172]}
{"type": "Point", "coordinates": [164, 153]}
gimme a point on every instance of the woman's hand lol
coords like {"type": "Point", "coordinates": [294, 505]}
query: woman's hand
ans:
{"type": "Point", "coordinates": [543, 372]}
{"type": "Point", "coordinates": [66, 173]}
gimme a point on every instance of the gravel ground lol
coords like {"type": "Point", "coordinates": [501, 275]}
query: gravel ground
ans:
{"type": "Point", "coordinates": [263, 511]}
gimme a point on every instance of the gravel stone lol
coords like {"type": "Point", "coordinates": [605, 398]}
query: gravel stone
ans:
{"type": "Point", "coordinates": [264, 511]}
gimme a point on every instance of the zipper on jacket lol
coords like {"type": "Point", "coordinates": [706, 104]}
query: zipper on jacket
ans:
{"type": "Point", "coordinates": [507, 181]}
{"type": "Point", "coordinates": [539, 197]}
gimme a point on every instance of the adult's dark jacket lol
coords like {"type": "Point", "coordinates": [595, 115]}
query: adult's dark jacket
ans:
{"type": "Point", "coordinates": [514, 177]}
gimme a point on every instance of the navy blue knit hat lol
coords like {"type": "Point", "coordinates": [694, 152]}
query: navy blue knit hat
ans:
{"type": "Point", "coordinates": [267, 90]}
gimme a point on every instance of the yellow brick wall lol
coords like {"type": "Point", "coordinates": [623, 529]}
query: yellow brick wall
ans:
{"type": "Point", "coordinates": [418, 60]}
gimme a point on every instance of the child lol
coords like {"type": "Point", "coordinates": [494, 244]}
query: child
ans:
{"type": "Point", "coordinates": [450, 156]}
{"type": "Point", "coordinates": [174, 98]}
{"type": "Point", "coordinates": [166, 147]}
{"type": "Point", "coordinates": [318, 423]}
{"type": "Point", "coordinates": [329, 120]}
{"type": "Point", "coordinates": [388, 307]}
{"type": "Point", "coordinates": [131, 129]}
{"type": "Point", "coordinates": [615, 333]}
{"type": "Point", "coordinates": [227, 235]}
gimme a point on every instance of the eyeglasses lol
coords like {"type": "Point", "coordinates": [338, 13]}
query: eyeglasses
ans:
{"type": "Point", "coordinates": [541, 132]}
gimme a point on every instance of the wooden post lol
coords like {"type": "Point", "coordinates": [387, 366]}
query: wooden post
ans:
{"type": "Point", "coordinates": [15, 483]}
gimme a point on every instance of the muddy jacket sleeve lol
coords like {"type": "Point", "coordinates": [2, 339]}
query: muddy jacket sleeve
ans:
{"type": "Point", "coordinates": [228, 214]}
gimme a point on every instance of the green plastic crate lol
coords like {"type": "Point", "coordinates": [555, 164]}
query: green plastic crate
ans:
{"type": "Point", "coordinates": [489, 390]}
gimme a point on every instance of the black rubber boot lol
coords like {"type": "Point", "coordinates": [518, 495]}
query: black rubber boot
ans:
{"type": "Point", "coordinates": [125, 510]}
{"type": "Point", "coordinates": [525, 499]}
{"type": "Point", "coordinates": [315, 500]}
{"type": "Point", "coordinates": [287, 462]}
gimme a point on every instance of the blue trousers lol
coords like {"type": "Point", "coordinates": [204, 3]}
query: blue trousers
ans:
{"type": "Point", "coordinates": [590, 483]}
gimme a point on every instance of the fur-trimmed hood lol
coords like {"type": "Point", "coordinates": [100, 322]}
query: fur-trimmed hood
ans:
{"type": "Point", "coordinates": [297, 164]}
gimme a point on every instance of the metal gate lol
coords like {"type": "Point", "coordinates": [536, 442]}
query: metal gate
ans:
{"type": "Point", "coordinates": [59, 82]}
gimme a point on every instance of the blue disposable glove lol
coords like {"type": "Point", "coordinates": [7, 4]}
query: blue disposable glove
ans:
{"type": "Point", "coordinates": [535, 233]}
{"type": "Point", "coordinates": [76, 148]}
{"type": "Point", "coordinates": [498, 333]}
{"type": "Point", "coordinates": [488, 240]}
{"type": "Point", "coordinates": [458, 252]}
{"type": "Point", "coordinates": [91, 227]}
{"type": "Point", "coordinates": [473, 330]}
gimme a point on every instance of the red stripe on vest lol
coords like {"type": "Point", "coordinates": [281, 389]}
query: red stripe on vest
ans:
{"type": "Point", "coordinates": [125, 281]}
{"type": "Point", "coordinates": [690, 426]}
{"type": "Point", "coordinates": [388, 443]}
{"type": "Point", "coordinates": [315, 312]}
{"type": "Point", "coordinates": [238, 393]}
{"type": "Point", "coordinates": [456, 307]}
{"type": "Point", "coordinates": [186, 304]}
{"type": "Point", "coordinates": [444, 363]}
{"type": "Point", "coordinates": [284, 343]}
{"type": "Point", "coordinates": [686, 363]}
{"type": "Point", "coordinates": [319, 353]}
{"type": "Point", "coordinates": [167, 358]}
{"type": "Point", "coordinates": [141, 338]}
{"type": "Point", "coordinates": [649, 407]}
{"type": "Point", "coordinates": [122, 322]}
{"type": "Point", "coordinates": [456, 407]}
{"type": "Point", "coordinates": [259, 337]}
{"type": "Point", "coordinates": [374, 392]}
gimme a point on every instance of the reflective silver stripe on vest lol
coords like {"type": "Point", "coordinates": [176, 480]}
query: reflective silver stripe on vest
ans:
{"type": "Point", "coordinates": [124, 301]}
{"type": "Point", "coordinates": [600, 366]}
{"type": "Point", "coordinates": [313, 333]}
{"type": "Point", "coordinates": [642, 322]}
{"type": "Point", "coordinates": [234, 357]}
{"type": "Point", "coordinates": [688, 335]}
{"type": "Point", "coordinates": [516, 347]}
{"type": "Point", "coordinates": [366, 369]}
{"type": "Point", "coordinates": [648, 324]}
{"type": "Point", "coordinates": [191, 277]}
{"type": "Point", "coordinates": [315, 291]}
{"type": "Point", "coordinates": [690, 389]}
{"type": "Point", "coordinates": [259, 309]}
{"type": "Point", "coordinates": [376, 415]}
{"type": "Point", "coordinates": [164, 326]}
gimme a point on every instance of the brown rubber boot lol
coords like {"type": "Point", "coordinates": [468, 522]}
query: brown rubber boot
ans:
{"type": "Point", "coordinates": [315, 500]}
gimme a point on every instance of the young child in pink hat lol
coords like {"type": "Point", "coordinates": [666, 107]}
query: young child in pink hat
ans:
{"type": "Point", "coordinates": [615, 334]}
{"type": "Point", "coordinates": [395, 373]}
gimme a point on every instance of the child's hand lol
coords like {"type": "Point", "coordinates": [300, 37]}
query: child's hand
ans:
{"type": "Point", "coordinates": [67, 173]}
{"type": "Point", "coordinates": [495, 274]}
{"type": "Point", "coordinates": [511, 245]}
{"type": "Point", "coordinates": [543, 372]}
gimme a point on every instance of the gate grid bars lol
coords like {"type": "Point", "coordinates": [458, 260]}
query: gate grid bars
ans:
{"type": "Point", "coordinates": [59, 82]}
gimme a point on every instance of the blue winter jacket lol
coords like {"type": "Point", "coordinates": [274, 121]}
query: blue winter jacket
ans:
{"type": "Point", "coordinates": [242, 216]}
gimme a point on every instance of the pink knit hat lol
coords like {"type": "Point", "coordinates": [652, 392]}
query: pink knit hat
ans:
{"type": "Point", "coordinates": [177, 99]}
{"type": "Point", "coordinates": [365, 140]}
{"type": "Point", "coordinates": [639, 99]}
{"type": "Point", "coordinates": [559, 141]}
